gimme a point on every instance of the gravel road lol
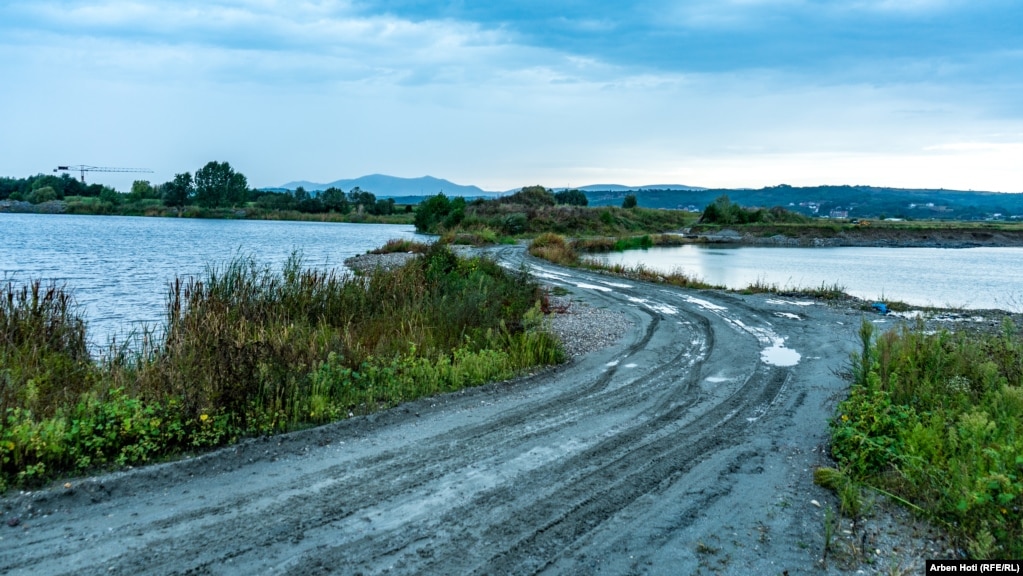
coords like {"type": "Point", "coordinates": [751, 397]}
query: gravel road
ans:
{"type": "Point", "coordinates": [685, 446]}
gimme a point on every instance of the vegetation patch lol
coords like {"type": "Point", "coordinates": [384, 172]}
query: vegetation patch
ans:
{"type": "Point", "coordinates": [402, 245]}
{"type": "Point", "coordinates": [249, 350]}
{"type": "Point", "coordinates": [536, 210]}
{"type": "Point", "coordinates": [934, 420]}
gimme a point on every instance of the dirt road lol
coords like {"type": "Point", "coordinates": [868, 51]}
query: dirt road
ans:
{"type": "Point", "coordinates": [688, 447]}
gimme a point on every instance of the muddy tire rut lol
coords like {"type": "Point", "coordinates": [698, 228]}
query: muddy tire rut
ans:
{"type": "Point", "coordinates": [680, 449]}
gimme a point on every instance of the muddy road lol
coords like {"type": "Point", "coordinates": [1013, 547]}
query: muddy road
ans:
{"type": "Point", "coordinates": [687, 447]}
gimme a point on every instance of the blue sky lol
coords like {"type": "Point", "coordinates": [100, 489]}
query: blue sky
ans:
{"type": "Point", "coordinates": [909, 93]}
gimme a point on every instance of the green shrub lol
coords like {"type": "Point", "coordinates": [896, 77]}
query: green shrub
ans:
{"type": "Point", "coordinates": [248, 349]}
{"type": "Point", "coordinates": [935, 419]}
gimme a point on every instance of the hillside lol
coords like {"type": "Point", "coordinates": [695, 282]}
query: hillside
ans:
{"type": "Point", "coordinates": [838, 201]}
{"type": "Point", "coordinates": [386, 186]}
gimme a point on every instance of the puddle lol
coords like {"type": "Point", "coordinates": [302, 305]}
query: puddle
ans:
{"type": "Point", "coordinates": [779, 355]}
{"type": "Point", "coordinates": [655, 306]}
{"type": "Point", "coordinates": [631, 365]}
{"type": "Point", "coordinates": [612, 363]}
{"type": "Point", "coordinates": [704, 304]}
{"type": "Point", "coordinates": [791, 302]}
{"type": "Point", "coordinates": [615, 284]}
{"type": "Point", "coordinates": [593, 287]}
{"type": "Point", "coordinates": [789, 315]}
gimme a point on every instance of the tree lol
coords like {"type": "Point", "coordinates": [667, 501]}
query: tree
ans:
{"type": "Point", "coordinates": [141, 190]}
{"type": "Point", "coordinates": [276, 201]}
{"type": "Point", "coordinates": [40, 195]}
{"type": "Point", "coordinates": [571, 197]}
{"type": "Point", "coordinates": [383, 207]}
{"type": "Point", "coordinates": [217, 184]}
{"type": "Point", "coordinates": [533, 196]}
{"type": "Point", "coordinates": [439, 212]}
{"type": "Point", "coordinates": [361, 200]}
{"type": "Point", "coordinates": [110, 195]}
{"type": "Point", "coordinates": [630, 201]}
{"type": "Point", "coordinates": [334, 200]}
{"type": "Point", "coordinates": [178, 191]}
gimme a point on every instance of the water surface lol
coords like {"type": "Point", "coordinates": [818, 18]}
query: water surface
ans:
{"type": "Point", "coordinates": [119, 267]}
{"type": "Point", "coordinates": [976, 278]}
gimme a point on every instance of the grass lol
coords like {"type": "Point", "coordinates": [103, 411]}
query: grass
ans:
{"type": "Point", "coordinates": [622, 243]}
{"type": "Point", "coordinates": [827, 292]}
{"type": "Point", "coordinates": [249, 350]}
{"type": "Point", "coordinates": [91, 205]}
{"type": "Point", "coordinates": [402, 245]}
{"type": "Point", "coordinates": [934, 421]}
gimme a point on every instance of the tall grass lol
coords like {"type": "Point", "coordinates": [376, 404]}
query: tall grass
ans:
{"type": "Point", "coordinates": [44, 356]}
{"type": "Point", "coordinates": [247, 349]}
{"type": "Point", "coordinates": [554, 248]}
{"type": "Point", "coordinates": [936, 420]}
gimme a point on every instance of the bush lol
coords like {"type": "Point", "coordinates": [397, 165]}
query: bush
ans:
{"type": "Point", "coordinates": [935, 419]}
{"type": "Point", "coordinates": [40, 195]}
{"type": "Point", "coordinates": [251, 350]}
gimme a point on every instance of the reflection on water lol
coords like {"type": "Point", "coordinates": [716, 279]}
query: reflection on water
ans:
{"type": "Point", "coordinates": [119, 268]}
{"type": "Point", "coordinates": [975, 278]}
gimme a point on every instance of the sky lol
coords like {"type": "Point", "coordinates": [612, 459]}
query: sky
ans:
{"type": "Point", "coordinates": [713, 93]}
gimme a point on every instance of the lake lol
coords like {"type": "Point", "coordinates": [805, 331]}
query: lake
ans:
{"type": "Point", "coordinates": [975, 278]}
{"type": "Point", "coordinates": [119, 267]}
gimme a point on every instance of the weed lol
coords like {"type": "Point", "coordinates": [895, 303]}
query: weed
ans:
{"type": "Point", "coordinates": [247, 349]}
{"type": "Point", "coordinates": [401, 245]}
{"type": "Point", "coordinates": [932, 420]}
{"type": "Point", "coordinates": [830, 528]}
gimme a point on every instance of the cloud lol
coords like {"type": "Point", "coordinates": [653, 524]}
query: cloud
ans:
{"type": "Point", "coordinates": [503, 94]}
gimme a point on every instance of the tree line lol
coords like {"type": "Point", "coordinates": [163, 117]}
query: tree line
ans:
{"type": "Point", "coordinates": [215, 185]}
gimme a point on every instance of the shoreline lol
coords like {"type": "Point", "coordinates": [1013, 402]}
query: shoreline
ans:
{"type": "Point", "coordinates": [866, 237]}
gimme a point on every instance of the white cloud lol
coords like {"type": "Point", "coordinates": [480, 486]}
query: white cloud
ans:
{"type": "Point", "coordinates": [317, 91]}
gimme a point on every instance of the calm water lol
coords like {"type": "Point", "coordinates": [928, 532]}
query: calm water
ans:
{"type": "Point", "coordinates": [119, 268]}
{"type": "Point", "coordinates": [966, 278]}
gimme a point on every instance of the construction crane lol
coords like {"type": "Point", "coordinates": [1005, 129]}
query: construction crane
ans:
{"type": "Point", "coordinates": [82, 168]}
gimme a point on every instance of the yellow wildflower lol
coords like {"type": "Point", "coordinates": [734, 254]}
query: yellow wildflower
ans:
{"type": "Point", "coordinates": [204, 417]}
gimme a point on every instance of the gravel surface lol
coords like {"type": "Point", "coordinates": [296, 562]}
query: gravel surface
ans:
{"type": "Point", "coordinates": [583, 328]}
{"type": "Point", "coordinates": [368, 262]}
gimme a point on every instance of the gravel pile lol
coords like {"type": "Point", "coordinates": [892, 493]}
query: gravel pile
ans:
{"type": "Point", "coordinates": [583, 328]}
{"type": "Point", "coordinates": [369, 262]}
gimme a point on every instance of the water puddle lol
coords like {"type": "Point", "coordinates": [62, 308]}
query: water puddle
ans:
{"type": "Point", "coordinates": [788, 315]}
{"type": "Point", "coordinates": [705, 304]}
{"type": "Point", "coordinates": [655, 306]}
{"type": "Point", "coordinates": [791, 302]}
{"type": "Point", "coordinates": [593, 287]}
{"type": "Point", "coordinates": [778, 355]}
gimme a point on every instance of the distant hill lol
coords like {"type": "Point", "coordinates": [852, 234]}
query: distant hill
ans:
{"type": "Point", "coordinates": [393, 186]}
{"type": "Point", "coordinates": [833, 201]}
{"type": "Point", "coordinates": [622, 188]}
{"type": "Point", "coordinates": [837, 201]}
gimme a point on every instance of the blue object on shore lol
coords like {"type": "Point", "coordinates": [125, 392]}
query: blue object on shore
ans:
{"type": "Point", "coordinates": [881, 307]}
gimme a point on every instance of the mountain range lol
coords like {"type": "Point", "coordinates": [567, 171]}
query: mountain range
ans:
{"type": "Point", "coordinates": [834, 201]}
{"type": "Point", "coordinates": [386, 186]}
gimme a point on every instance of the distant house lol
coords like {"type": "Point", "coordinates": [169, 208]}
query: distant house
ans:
{"type": "Point", "coordinates": [838, 214]}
